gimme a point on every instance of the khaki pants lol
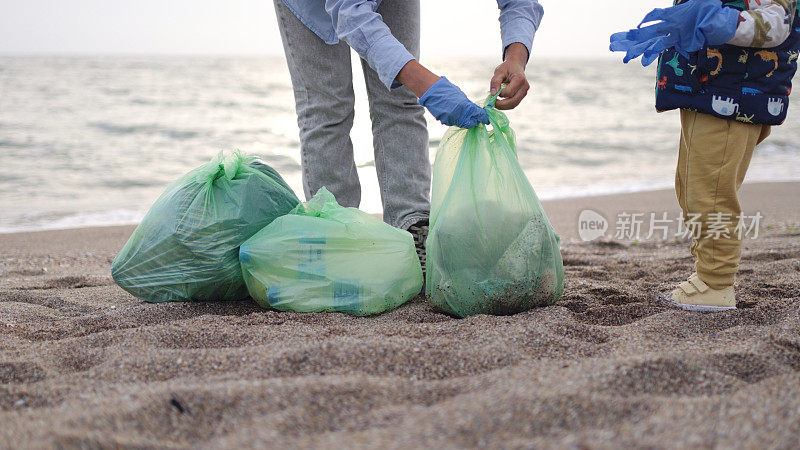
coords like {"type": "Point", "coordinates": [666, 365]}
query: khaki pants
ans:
{"type": "Point", "coordinates": [713, 159]}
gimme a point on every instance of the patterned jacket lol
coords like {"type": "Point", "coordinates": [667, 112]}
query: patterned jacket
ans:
{"type": "Point", "coordinates": [749, 78]}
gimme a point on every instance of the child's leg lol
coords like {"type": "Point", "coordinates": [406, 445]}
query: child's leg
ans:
{"type": "Point", "coordinates": [323, 90]}
{"type": "Point", "coordinates": [400, 133]}
{"type": "Point", "coordinates": [713, 159]}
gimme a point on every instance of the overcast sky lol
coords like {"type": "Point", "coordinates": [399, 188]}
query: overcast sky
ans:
{"type": "Point", "coordinates": [450, 27]}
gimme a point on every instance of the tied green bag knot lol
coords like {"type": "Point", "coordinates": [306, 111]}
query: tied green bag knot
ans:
{"type": "Point", "coordinates": [228, 166]}
{"type": "Point", "coordinates": [491, 248]}
{"type": "Point", "coordinates": [319, 206]}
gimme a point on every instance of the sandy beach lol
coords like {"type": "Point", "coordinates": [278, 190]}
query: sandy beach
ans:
{"type": "Point", "coordinates": [84, 364]}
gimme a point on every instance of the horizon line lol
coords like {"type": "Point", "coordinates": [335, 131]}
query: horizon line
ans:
{"type": "Point", "coordinates": [46, 53]}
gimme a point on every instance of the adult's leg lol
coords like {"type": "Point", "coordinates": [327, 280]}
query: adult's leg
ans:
{"type": "Point", "coordinates": [399, 130]}
{"type": "Point", "coordinates": [323, 90]}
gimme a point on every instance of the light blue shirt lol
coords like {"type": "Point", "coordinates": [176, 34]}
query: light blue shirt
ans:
{"type": "Point", "coordinates": [357, 23]}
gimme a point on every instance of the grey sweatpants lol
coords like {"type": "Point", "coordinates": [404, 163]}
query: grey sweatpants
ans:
{"type": "Point", "coordinates": [323, 89]}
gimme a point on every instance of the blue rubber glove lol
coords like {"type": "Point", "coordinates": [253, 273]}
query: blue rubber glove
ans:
{"type": "Point", "coordinates": [451, 106]}
{"type": "Point", "coordinates": [687, 27]}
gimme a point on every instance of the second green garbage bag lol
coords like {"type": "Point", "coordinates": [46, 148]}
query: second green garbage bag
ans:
{"type": "Point", "coordinates": [325, 257]}
{"type": "Point", "coordinates": [491, 248]}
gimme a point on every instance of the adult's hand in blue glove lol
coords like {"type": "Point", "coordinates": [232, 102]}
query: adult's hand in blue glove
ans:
{"type": "Point", "coordinates": [451, 106]}
{"type": "Point", "coordinates": [686, 27]}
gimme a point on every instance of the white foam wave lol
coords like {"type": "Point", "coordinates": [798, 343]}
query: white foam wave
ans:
{"type": "Point", "coordinates": [39, 222]}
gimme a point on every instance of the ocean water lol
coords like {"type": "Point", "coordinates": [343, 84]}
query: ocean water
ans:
{"type": "Point", "coordinates": [94, 140]}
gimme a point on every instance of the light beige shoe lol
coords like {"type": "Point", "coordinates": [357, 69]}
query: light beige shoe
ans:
{"type": "Point", "coordinates": [695, 295]}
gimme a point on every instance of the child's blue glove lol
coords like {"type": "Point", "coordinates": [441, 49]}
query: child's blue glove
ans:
{"type": "Point", "coordinates": [451, 106]}
{"type": "Point", "coordinates": [687, 27]}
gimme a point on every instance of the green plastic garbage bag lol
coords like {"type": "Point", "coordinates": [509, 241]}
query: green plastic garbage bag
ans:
{"type": "Point", "coordinates": [324, 257]}
{"type": "Point", "coordinates": [187, 246]}
{"type": "Point", "coordinates": [491, 248]}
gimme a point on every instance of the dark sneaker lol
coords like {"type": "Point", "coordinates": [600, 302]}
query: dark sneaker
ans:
{"type": "Point", "coordinates": [420, 232]}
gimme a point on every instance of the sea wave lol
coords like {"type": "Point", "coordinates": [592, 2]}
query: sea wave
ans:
{"type": "Point", "coordinates": [40, 222]}
{"type": "Point", "coordinates": [146, 129]}
{"type": "Point", "coordinates": [121, 128]}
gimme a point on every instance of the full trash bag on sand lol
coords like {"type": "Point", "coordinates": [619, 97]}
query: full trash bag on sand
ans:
{"type": "Point", "coordinates": [491, 248]}
{"type": "Point", "coordinates": [187, 246]}
{"type": "Point", "coordinates": [325, 257]}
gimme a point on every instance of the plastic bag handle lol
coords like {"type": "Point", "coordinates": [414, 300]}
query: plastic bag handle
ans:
{"type": "Point", "coordinates": [491, 100]}
{"type": "Point", "coordinates": [499, 122]}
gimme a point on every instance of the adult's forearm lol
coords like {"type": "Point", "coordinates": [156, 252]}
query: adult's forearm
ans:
{"type": "Point", "coordinates": [517, 52]}
{"type": "Point", "coordinates": [416, 77]}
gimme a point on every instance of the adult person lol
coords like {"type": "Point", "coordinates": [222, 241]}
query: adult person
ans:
{"type": "Point", "coordinates": [317, 36]}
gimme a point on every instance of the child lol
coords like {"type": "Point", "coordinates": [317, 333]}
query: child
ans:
{"type": "Point", "coordinates": [727, 65]}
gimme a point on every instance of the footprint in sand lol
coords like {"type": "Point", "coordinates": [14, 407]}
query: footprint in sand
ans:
{"type": "Point", "coordinates": [20, 372]}
{"type": "Point", "coordinates": [70, 283]}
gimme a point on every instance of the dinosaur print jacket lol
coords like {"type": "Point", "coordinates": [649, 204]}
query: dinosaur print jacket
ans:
{"type": "Point", "coordinates": [749, 78]}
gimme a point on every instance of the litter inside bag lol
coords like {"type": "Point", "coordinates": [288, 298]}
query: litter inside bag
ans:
{"type": "Point", "coordinates": [186, 247]}
{"type": "Point", "coordinates": [491, 248]}
{"type": "Point", "coordinates": [324, 257]}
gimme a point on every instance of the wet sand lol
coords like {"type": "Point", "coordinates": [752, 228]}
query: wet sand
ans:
{"type": "Point", "coordinates": [84, 364]}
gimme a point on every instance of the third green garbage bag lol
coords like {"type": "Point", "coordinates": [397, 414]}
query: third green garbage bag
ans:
{"type": "Point", "coordinates": [325, 257]}
{"type": "Point", "coordinates": [491, 248]}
